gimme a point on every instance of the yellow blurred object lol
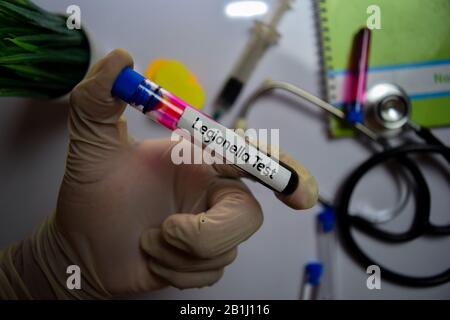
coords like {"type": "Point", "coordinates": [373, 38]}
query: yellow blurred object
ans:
{"type": "Point", "coordinates": [175, 77]}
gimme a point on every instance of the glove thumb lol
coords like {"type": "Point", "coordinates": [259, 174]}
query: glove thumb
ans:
{"type": "Point", "coordinates": [96, 127]}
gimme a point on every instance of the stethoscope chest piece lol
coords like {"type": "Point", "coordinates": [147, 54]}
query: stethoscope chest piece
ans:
{"type": "Point", "coordinates": [388, 108]}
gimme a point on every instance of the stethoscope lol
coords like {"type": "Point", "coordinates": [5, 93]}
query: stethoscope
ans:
{"type": "Point", "coordinates": [388, 110]}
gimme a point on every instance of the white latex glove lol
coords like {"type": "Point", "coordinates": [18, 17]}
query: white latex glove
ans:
{"type": "Point", "coordinates": [131, 219]}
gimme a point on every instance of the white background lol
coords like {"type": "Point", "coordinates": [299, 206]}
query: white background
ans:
{"type": "Point", "coordinates": [33, 142]}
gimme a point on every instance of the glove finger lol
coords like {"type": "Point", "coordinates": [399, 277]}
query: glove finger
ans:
{"type": "Point", "coordinates": [96, 128]}
{"type": "Point", "coordinates": [153, 243]}
{"type": "Point", "coordinates": [306, 194]}
{"type": "Point", "coordinates": [92, 98]}
{"type": "Point", "coordinates": [234, 215]}
{"type": "Point", "coordinates": [186, 280]}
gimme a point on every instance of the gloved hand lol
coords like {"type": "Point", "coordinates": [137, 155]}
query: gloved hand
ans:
{"type": "Point", "coordinates": [130, 218]}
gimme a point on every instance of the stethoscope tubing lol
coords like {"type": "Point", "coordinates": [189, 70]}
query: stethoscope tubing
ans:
{"type": "Point", "coordinates": [421, 224]}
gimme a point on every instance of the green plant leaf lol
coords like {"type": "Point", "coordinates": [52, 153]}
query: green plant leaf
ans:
{"type": "Point", "coordinates": [35, 72]}
{"type": "Point", "coordinates": [24, 3]}
{"type": "Point", "coordinates": [39, 56]}
{"type": "Point", "coordinates": [7, 92]}
{"type": "Point", "coordinates": [53, 40]}
{"type": "Point", "coordinates": [32, 7]}
{"type": "Point", "coordinates": [15, 31]}
{"type": "Point", "coordinates": [51, 22]}
{"type": "Point", "coordinates": [6, 19]}
{"type": "Point", "coordinates": [6, 49]}
{"type": "Point", "coordinates": [75, 55]}
{"type": "Point", "coordinates": [25, 83]}
{"type": "Point", "coordinates": [23, 45]}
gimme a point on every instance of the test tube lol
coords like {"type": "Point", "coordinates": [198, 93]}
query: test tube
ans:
{"type": "Point", "coordinates": [326, 251]}
{"type": "Point", "coordinates": [173, 113]}
{"type": "Point", "coordinates": [311, 281]}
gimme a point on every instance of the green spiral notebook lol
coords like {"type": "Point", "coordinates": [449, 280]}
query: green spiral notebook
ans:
{"type": "Point", "coordinates": [412, 49]}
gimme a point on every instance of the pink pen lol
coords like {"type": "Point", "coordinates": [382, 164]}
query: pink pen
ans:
{"type": "Point", "coordinates": [357, 77]}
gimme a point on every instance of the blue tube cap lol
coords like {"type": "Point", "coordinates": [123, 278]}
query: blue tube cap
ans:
{"type": "Point", "coordinates": [354, 116]}
{"type": "Point", "coordinates": [327, 219]}
{"type": "Point", "coordinates": [126, 84]}
{"type": "Point", "coordinates": [313, 272]}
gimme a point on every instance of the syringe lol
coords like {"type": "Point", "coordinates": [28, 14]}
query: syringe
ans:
{"type": "Point", "coordinates": [173, 113]}
{"type": "Point", "coordinates": [264, 35]}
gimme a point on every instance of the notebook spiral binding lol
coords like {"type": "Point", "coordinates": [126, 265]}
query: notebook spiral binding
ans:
{"type": "Point", "coordinates": [328, 80]}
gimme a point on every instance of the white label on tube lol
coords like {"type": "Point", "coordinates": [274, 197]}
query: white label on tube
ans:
{"type": "Point", "coordinates": [234, 149]}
